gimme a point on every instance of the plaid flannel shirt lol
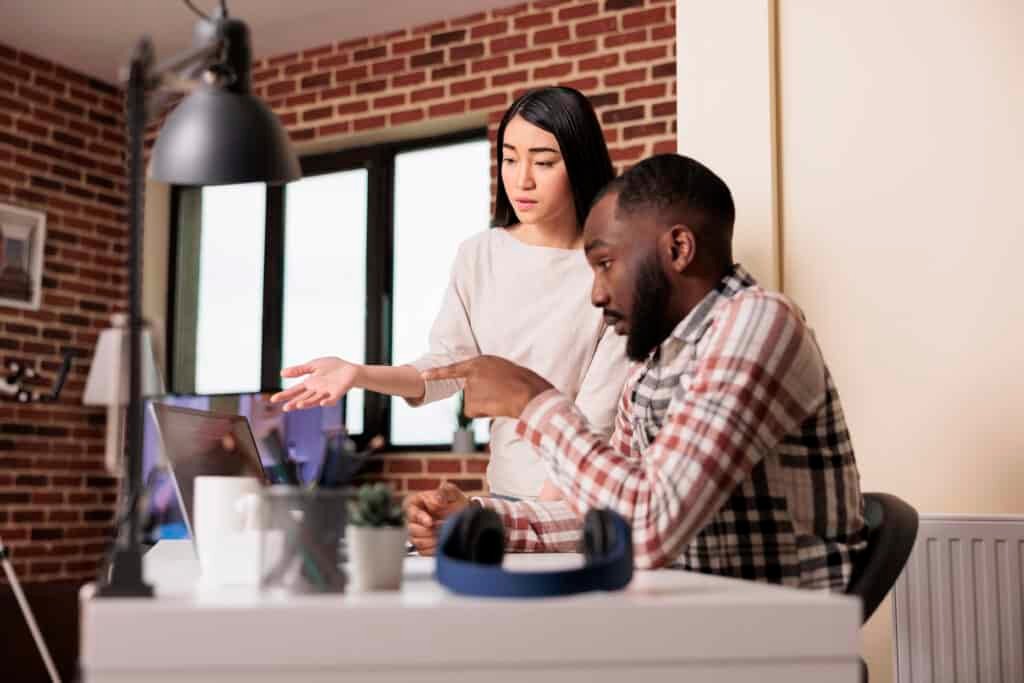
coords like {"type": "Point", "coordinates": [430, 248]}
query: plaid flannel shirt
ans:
{"type": "Point", "coordinates": [730, 453]}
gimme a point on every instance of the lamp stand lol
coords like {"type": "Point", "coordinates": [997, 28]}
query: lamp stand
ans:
{"type": "Point", "coordinates": [126, 578]}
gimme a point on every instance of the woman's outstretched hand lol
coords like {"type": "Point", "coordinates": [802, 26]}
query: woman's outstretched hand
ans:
{"type": "Point", "coordinates": [326, 380]}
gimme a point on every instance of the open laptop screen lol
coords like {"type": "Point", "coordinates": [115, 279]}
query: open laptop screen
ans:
{"type": "Point", "coordinates": [203, 443]}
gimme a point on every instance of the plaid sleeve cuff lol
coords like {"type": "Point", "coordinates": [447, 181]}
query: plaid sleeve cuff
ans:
{"type": "Point", "coordinates": [533, 526]}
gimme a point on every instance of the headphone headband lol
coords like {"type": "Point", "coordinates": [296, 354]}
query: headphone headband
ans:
{"type": "Point", "coordinates": [611, 570]}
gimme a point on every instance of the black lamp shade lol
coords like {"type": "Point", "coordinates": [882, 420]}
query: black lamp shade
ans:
{"type": "Point", "coordinates": [219, 137]}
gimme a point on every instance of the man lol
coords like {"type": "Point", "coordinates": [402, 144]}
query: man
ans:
{"type": "Point", "coordinates": [730, 453]}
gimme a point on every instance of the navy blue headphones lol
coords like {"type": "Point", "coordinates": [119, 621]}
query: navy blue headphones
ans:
{"type": "Point", "coordinates": [472, 545]}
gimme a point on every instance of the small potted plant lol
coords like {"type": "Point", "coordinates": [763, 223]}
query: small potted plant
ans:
{"type": "Point", "coordinates": [463, 440]}
{"type": "Point", "coordinates": [375, 538]}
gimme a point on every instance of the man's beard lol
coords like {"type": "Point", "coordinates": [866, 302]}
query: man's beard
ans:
{"type": "Point", "coordinates": [647, 321]}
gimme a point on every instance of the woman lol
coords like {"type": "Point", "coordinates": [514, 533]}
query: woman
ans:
{"type": "Point", "coordinates": [520, 290]}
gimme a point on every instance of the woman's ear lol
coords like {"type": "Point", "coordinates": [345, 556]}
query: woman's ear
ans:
{"type": "Point", "coordinates": [680, 245]}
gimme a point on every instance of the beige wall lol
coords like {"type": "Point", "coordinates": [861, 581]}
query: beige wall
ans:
{"type": "Point", "coordinates": [901, 149]}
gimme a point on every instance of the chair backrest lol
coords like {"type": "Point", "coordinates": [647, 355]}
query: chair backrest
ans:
{"type": "Point", "coordinates": [892, 529]}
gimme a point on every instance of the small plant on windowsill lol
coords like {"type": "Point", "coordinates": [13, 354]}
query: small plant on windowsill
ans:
{"type": "Point", "coordinates": [376, 539]}
{"type": "Point", "coordinates": [463, 440]}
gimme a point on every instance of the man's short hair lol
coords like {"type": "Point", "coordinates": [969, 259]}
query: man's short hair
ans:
{"type": "Point", "coordinates": [680, 190]}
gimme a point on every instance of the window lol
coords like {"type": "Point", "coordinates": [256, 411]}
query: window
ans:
{"type": "Point", "coordinates": [351, 261]}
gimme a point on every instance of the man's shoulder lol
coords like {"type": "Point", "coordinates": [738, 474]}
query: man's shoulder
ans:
{"type": "Point", "coordinates": [756, 306]}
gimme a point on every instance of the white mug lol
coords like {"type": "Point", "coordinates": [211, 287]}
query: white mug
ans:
{"type": "Point", "coordinates": [226, 535]}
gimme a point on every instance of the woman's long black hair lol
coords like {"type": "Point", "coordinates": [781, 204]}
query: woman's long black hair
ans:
{"type": "Point", "coordinates": [568, 115]}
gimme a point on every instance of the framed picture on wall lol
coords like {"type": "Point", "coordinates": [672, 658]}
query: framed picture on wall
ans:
{"type": "Point", "coordinates": [22, 234]}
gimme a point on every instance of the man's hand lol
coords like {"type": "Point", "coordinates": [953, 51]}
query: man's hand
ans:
{"type": "Point", "coordinates": [426, 512]}
{"type": "Point", "coordinates": [494, 387]}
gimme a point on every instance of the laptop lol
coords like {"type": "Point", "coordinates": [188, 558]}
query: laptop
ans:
{"type": "Point", "coordinates": [201, 442]}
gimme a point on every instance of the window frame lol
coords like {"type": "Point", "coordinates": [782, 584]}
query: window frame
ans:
{"type": "Point", "coordinates": [379, 162]}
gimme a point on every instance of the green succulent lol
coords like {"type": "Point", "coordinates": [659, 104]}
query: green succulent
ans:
{"type": "Point", "coordinates": [375, 507]}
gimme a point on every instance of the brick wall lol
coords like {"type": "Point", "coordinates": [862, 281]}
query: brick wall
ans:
{"type": "Point", "coordinates": [424, 471]}
{"type": "Point", "coordinates": [60, 152]}
{"type": "Point", "coordinates": [621, 53]}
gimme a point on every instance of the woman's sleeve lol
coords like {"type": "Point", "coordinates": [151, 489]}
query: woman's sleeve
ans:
{"type": "Point", "coordinates": [598, 398]}
{"type": "Point", "coordinates": [451, 337]}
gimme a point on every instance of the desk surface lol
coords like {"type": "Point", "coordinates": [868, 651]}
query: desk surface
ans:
{"type": "Point", "coordinates": [666, 623]}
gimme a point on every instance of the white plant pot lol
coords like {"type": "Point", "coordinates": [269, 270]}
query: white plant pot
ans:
{"type": "Point", "coordinates": [375, 557]}
{"type": "Point", "coordinates": [463, 441]}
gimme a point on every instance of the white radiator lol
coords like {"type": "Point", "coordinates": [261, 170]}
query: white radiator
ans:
{"type": "Point", "coordinates": [959, 604]}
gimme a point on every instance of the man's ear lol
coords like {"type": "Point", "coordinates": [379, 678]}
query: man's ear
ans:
{"type": "Point", "coordinates": [680, 246]}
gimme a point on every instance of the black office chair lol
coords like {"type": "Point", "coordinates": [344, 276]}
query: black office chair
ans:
{"type": "Point", "coordinates": [892, 529]}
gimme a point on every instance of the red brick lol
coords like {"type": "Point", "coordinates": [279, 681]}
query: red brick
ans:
{"type": "Point", "coordinates": [627, 153]}
{"type": "Point", "coordinates": [448, 37]}
{"type": "Point", "coordinates": [281, 88]}
{"type": "Point", "coordinates": [448, 72]}
{"type": "Point", "coordinates": [498, 99]}
{"type": "Point", "coordinates": [403, 465]}
{"type": "Point", "coordinates": [463, 52]}
{"type": "Point", "coordinates": [645, 92]}
{"type": "Point", "coordinates": [354, 43]}
{"type": "Point", "coordinates": [664, 70]}
{"type": "Point", "coordinates": [368, 122]}
{"type": "Point", "coordinates": [318, 51]}
{"type": "Point", "coordinates": [389, 101]}
{"type": "Point", "coordinates": [533, 20]}
{"type": "Point", "coordinates": [468, 485]}
{"type": "Point", "coordinates": [623, 77]}
{"type": "Point", "coordinates": [633, 20]}
{"type": "Point", "coordinates": [371, 86]}
{"type": "Point", "coordinates": [664, 147]}
{"type": "Point", "coordinates": [353, 73]}
{"type": "Point", "coordinates": [427, 93]}
{"type": "Point", "coordinates": [318, 113]}
{"type": "Point", "coordinates": [411, 45]}
{"type": "Point", "coordinates": [389, 67]}
{"type": "Point", "coordinates": [468, 86]}
{"type": "Point", "coordinates": [299, 68]}
{"type": "Point", "coordinates": [596, 27]}
{"type": "Point", "coordinates": [664, 109]}
{"type": "Point", "coordinates": [615, 5]}
{"type": "Point", "coordinates": [369, 53]}
{"type": "Point", "coordinates": [495, 28]}
{"type": "Point", "coordinates": [476, 466]}
{"type": "Point", "coordinates": [499, 45]}
{"type": "Point", "coordinates": [508, 78]}
{"type": "Point", "coordinates": [335, 93]}
{"type": "Point", "coordinates": [646, 54]}
{"type": "Point", "coordinates": [302, 134]}
{"type": "Point", "coordinates": [411, 78]}
{"type": "Point", "coordinates": [644, 130]}
{"type": "Point", "coordinates": [599, 63]}
{"type": "Point", "coordinates": [491, 64]}
{"type": "Point", "coordinates": [448, 108]}
{"type": "Point", "coordinates": [281, 59]}
{"type": "Point", "coordinates": [356, 107]}
{"type": "Point", "coordinates": [316, 80]}
{"type": "Point", "coordinates": [301, 100]}
{"type": "Point", "coordinates": [334, 129]}
{"type": "Point", "coordinates": [557, 34]}
{"type": "Point", "coordinates": [408, 116]}
{"type": "Point", "coordinates": [552, 71]}
{"type": "Point", "coordinates": [532, 55]}
{"type": "Point", "coordinates": [332, 61]}
{"type": "Point", "coordinates": [578, 12]}
{"type": "Point", "coordinates": [422, 484]}
{"type": "Point", "coordinates": [663, 32]}
{"type": "Point", "coordinates": [620, 115]}
{"type": "Point", "coordinates": [435, 466]}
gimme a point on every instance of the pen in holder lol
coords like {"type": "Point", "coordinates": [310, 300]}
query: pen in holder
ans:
{"type": "Point", "coordinates": [300, 540]}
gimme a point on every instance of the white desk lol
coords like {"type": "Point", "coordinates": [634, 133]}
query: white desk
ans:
{"type": "Point", "coordinates": [667, 626]}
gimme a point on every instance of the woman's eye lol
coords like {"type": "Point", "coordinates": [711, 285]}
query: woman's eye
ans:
{"type": "Point", "coordinates": [508, 162]}
{"type": "Point", "coordinates": [546, 164]}
{"type": "Point", "coordinates": [604, 264]}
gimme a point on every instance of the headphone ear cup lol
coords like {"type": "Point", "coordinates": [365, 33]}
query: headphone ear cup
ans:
{"type": "Point", "coordinates": [599, 535]}
{"type": "Point", "coordinates": [479, 536]}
